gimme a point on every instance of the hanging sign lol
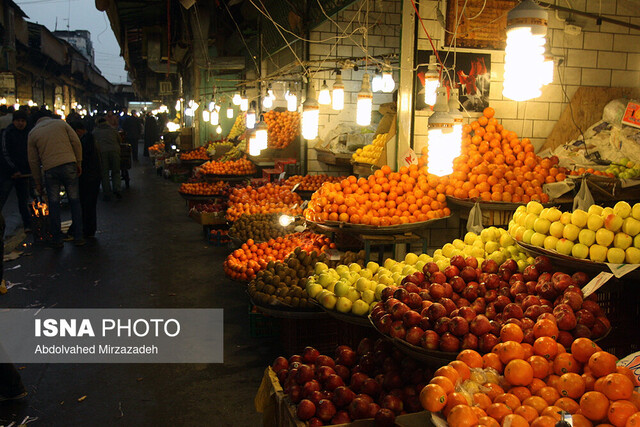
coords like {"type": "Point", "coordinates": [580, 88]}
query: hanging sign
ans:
{"type": "Point", "coordinates": [409, 158]}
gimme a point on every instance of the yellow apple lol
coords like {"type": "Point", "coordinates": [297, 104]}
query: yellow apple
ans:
{"type": "Point", "coordinates": [631, 226]}
{"type": "Point", "coordinates": [554, 214]}
{"type": "Point", "coordinates": [527, 235]}
{"type": "Point", "coordinates": [615, 255]}
{"type": "Point", "coordinates": [530, 220]}
{"type": "Point", "coordinates": [635, 211]}
{"type": "Point", "coordinates": [606, 211]}
{"type": "Point", "coordinates": [622, 209]}
{"type": "Point", "coordinates": [587, 237]}
{"type": "Point", "coordinates": [564, 246]}
{"type": "Point", "coordinates": [571, 232]}
{"type": "Point", "coordinates": [541, 225]}
{"type": "Point", "coordinates": [550, 243]}
{"type": "Point", "coordinates": [597, 253]}
{"type": "Point", "coordinates": [565, 218]}
{"type": "Point", "coordinates": [604, 237]}
{"type": "Point", "coordinates": [538, 239]}
{"type": "Point", "coordinates": [579, 218]}
{"type": "Point", "coordinates": [622, 241]}
{"type": "Point", "coordinates": [595, 210]}
{"type": "Point", "coordinates": [613, 222]}
{"type": "Point", "coordinates": [595, 222]}
{"type": "Point", "coordinates": [534, 207]}
{"type": "Point", "coordinates": [632, 255]}
{"type": "Point", "coordinates": [580, 251]}
{"type": "Point", "coordinates": [556, 229]}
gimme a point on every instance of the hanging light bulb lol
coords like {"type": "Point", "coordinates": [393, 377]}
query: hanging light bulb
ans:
{"type": "Point", "coordinates": [212, 105]}
{"type": "Point", "coordinates": [236, 99]}
{"type": "Point", "coordinates": [338, 92]}
{"type": "Point", "coordinates": [546, 75]}
{"type": "Point", "coordinates": [365, 102]}
{"type": "Point", "coordinates": [254, 149]}
{"type": "Point", "coordinates": [524, 54]}
{"type": "Point", "coordinates": [324, 97]}
{"type": "Point", "coordinates": [271, 94]}
{"type": "Point", "coordinates": [431, 81]}
{"type": "Point", "coordinates": [219, 130]}
{"type": "Point", "coordinates": [178, 105]}
{"type": "Point", "coordinates": [244, 104]}
{"type": "Point", "coordinates": [439, 137]}
{"type": "Point", "coordinates": [458, 122]}
{"type": "Point", "coordinates": [251, 118]}
{"type": "Point", "coordinates": [206, 115]}
{"type": "Point", "coordinates": [376, 83]}
{"type": "Point", "coordinates": [261, 135]}
{"type": "Point", "coordinates": [190, 104]}
{"type": "Point", "coordinates": [267, 102]}
{"type": "Point", "coordinates": [310, 115]}
{"type": "Point", "coordinates": [229, 112]}
{"type": "Point", "coordinates": [215, 118]}
{"type": "Point", "coordinates": [292, 101]}
{"type": "Point", "coordinates": [388, 84]}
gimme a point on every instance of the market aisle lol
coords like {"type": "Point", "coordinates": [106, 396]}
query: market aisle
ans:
{"type": "Point", "coordinates": [148, 254]}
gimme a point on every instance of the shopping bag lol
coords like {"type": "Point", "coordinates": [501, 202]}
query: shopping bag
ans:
{"type": "Point", "coordinates": [474, 222]}
{"type": "Point", "coordinates": [583, 199]}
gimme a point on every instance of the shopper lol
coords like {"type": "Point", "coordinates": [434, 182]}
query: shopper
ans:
{"type": "Point", "coordinates": [54, 146]}
{"type": "Point", "coordinates": [6, 116]}
{"type": "Point", "coordinates": [11, 387]}
{"type": "Point", "coordinates": [132, 128]}
{"type": "Point", "coordinates": [89, 180]}
{"type": "Point", "coordinates": [108, 142]}
{"type": "Point", "coordinates": [73, 116]}
{"type": "Point", "coordinates": [112, 119]}
{"type": "Point", "coordinates": [151, 133]}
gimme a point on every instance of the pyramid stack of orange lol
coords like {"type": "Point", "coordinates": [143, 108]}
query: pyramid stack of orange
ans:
{"type": "Point", "coordinates": [385, 198]}
{"type": "Point", "coordinates": [519, 385]}
{"type": "Point", "coordinates": [497, 166]}
{"type": "Point", "coordinates": [270, 198]}
{"type": "Point", "coordinates": [232, 167]}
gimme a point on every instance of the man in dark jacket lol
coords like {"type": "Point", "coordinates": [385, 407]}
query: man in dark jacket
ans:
{"type": "Point", "coordinates": [151, 133]}
{"type": "Point", "coordinates": [89, 180]}
{"type": "Point", "coordinates": [132, 127]}
{"type": "Point", "coordinates": [15, 165]}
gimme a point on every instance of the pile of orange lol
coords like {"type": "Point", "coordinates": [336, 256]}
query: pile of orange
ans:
{"type": "Point", "coordinates": [535, 384]}
{"type": "Point", "coordinates": [244, 263]}
{"type": "Point", "coordinates": [497, 166]}
{"type": "Point", "coordinates": [204, 188]}
{"type": "Point", "coordinates": [583, 171]}
{"type": "Point", "coordinates": [199, 153]}
{"type": "Point", "coordinates": [282, 127]}
{"type": "Point", "coordinates": [270, 198]}
{"type": "Point", "coordinates": [385, 198]}
{"type": "Point", "coordinates": [312, 182]}
{"type": "Point", "coordinates": [233, 167]}
{"type": "Point", "coordinates": [156, 148]}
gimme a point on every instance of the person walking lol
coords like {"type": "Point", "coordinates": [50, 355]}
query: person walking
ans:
{"type": "Point", "coordinates": [151, 133]}
{"type": "Point", "coordinates": [55, 146]}
{"type": "Point", "coordinates": [15, 166]}
{"type": "Point", "coordinates": [108, 141]}
{"type": "Point", "coordinates": [132, 128]}
{"type": "Point", "coordinates": [6, 116]}
{"type": "Point", "coordinates": [89, 180]}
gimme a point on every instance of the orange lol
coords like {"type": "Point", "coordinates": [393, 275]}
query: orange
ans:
{"type": "Point", "coordinates": [488, 422]}
{"type": "Point", "coordinates": [481, 400]}
{"type": "Point", "coordinates": [520, 392]}
{"type": "Point", "coordinates": [553, 412]}
{"type": "Point", "coordinates": [582, 349]}
{"type": "Point", "coordinates": [491, 360]}
{"type": "Point", "coordinates": [462, 416]}
{"type": "Point", "coordinates": [443, 382]}
{"type": "Point", "coordinates": [635, 399]}
{"type": "Point", "coordinates": [633, 420]}
{"type": "Point", "coordinates": [479, 412]}
{"type": "Point", "coordinates": [545, 328]}
{"type": "Point", "coordinates": [489, 112]}
{"type": "Point", "coordinates": [509, 351]}
{"type": "Point", "coordinates": [545, 347]}
{"type": "Point", "coordinates": [462, 368]}
{"type": "Point", "coordinates": [493, 390]}
{"type": "Point", "coordinates": [602, 363]}
{"type": "Point", "coordinates": [508, 399]}
{"type": "Point", "coordinates": [536, 385]}
{"type": "Point", "coordinates": [620, 411]}
{"type": "Point", "coordinates": [594, 405]}
{"type": "Point", "coordinates": [570, 385]}
{"type": "Point", "coordinates": [433, 398]}
{"type": "Point", "coordinates": [549, 394]}
{"type": "Point", "coordinates": [515, 420]}
{"type": "Point", "coordinates": [626, 372]}
{"type": "Point", "coordinates": [529, 413]}
{"type": "Point", "coordinates": [544, 421]}
{"type": "Point", "coordinates": [498, 411]}
{"type": "Point", "coordinates": [589, 381]}
{"type": "Point", "coordinates": [471, 358]}
{"type": "Point", "coordinates": [580, 420]}
{"type": "Point", "coordinates": [617, 387]}
{"type": "Point", "coordinates": [569, 405]}
{"type": "Point", "coordinates": [540, 366]}
{"type": "Point", "coordinates": [454, 399]}
{"type": "Point", "coordinates": [518, 372]}
{"type": "Point", "coordinates": [511, 332]}
{"type": "Point", "coordinates": [564, 363]}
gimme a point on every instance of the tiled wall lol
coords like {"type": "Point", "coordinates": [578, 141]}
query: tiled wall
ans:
{"type": "Point", "coordinates": [605, 55]}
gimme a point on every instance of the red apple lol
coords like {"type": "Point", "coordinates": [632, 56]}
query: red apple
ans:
{"type": "Point", "coordinates": [565, 338]}
{"type": "Point", "coordinates": [469, 274]}
{"type": "Point", "coordinates": [527, 323]}
{"type": "Point", "coordinates": [492, 281]}
{"type": "Point", "coordinates": [457, 284]}
{"type": "Point", "coordinates": [385, 418]}
{"type": "Point", "coordinates": [471, 262]}
{"type": "Point", "coordinates": [543, 264]}
{"type": "Point", "coordinates": [413, 288]}
{"type": "Point", "coordinates": [347, 357]}
{"type": "Point", "coordinates": [430, 268]}
{"type": "Point", "coordinates": [448, 304]}
{"type": "Point", "coordinates": [358, 408]}
{"type": "Point", "coordinates": [365, 397]}
{"type": "Point", "coordinates": [469, 341]}
{"type": "Point", "coordinates": [513, 310]}
{"type": "Point", "coordinates": [315, 422]}
{"type": "Point", "coordinates": [442, 325]}
{"type": "Point", "coordinates": [334, 381]}
{"type": "Point", "coordinates": [458, 261]}
{"type": "Point", "coordinates": [316, 397]}
{"type": "Point", "coordinates": [436, 290]}
{"type": "Point", "coordinates": [398, 310]}
{"type": "Point", "coordinates": [306, 409]}
{"type": "Point", "coordinates": [517, 288]}
{"type": "Point", "coordinates": [467, 313]}
{"type": "Point", "coordinates": [388, 292]}
{"type": "Point", "coordinates": [342, 396]}
{"type": "Point", "coordinates": [310, 355]}
{"type": "Point", "coordinates": [489, 266]}
{"type": "Point", "coordinates": [390, 303]}
{"type": "Point", "coordinates": [323, 360]}
{"type": "Point", "coordinates": [580, 279]}
{"type": "Point", "coordinates": [398, 330]}
{"type": "Point", "coordinates": [371, 387]}
{"type": "Point", "coordinates": [529, 336]}
{"type": "Point", "coordinates": [341, 417]}
{"type": "Point", "coordinates": [581, 331]}
{"type": "Point", "coordinates": [458, 326]}
{"type": "Point", "coordinates": [449, 343]}
{"type": "Point", "coordinates": [451, 271]}
{"type": "Point", "coordinates": [501, 302]}
{"type": "Point", "coordinates": [325, 410]}
{"type": "Point", "coordinates": [490, 296]}
{"type": "Point", "coordinates": [480, 325]}
{"type": "Point", "coordinates": [304, 374]}
{"type": "Point", "coordinates": [414, 335]}
{"type": "Point", "coordinates": [593, 307]}
{"type": "Point", "coordinates": [529, 301]}
{"type": "Point", "coordinates": [573, 299]}
{"type": "Point", "coordinates": [279, 364]}
{"type": "Point", "coordinates": [438, 277]}
{"type": "Point", "coordinates": [448, 290]}
{"type": "Point", "coordinates": [392, 403]}
{"type": "Point", "coordinates": [585, 317]}
{"type": "Point", "coordinates": [436, 311]}
{"type": "Point", "coordinates": [566, 320]}
{"type": "Point", "coordinates": [430, 340]}
{"type": "Point", "coordinates": [372, 410]}
{"type": "Point", "coordinates": [309, 387]}
{"type": "Point", "coordinates": [486, 342]}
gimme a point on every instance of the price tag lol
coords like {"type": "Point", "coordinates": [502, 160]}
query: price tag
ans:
{"type": "Point", "coordinates": [409, 158]}
{"type": "Point", "coordinates": [620, 270]}
{"type": "Point", "coordinates": [596, 283]}
{"type": "Point", "coordinates": [281, 177]}
{"type": "Point", "coordinates": [300, 228]}
{"type": "Point", "coordinates": [334, 254]}
{"type": "Point", "coordinates": [295, 187]}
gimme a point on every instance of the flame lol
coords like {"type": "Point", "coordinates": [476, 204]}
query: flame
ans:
{"type": "Point", "coordinates": [39, 208]}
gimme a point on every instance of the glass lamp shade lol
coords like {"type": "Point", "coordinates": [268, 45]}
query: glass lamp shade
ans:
{"type": "Point", "coordinates": [376, 83]}
{"type": "Point", "coordinates": [267, 102]}
{"type": "Point", "coordinates": [523, 62]}
{"type": "Point", "coordinates": [215, 118]}
{"type": "Point", "coordinates": [244, 104]}
{"type": "Point", "coordinates": [219, 130]}
{"type": "Point", "coordinates": [206, 115]}
{"type": "Point", "coordinates": [388, 84]}
{"type": "Point", "coordinates": [338, 93]}
{"type": "Point", "coordinates": [229, 113]}
{"type": "Point", "coordinates": [292, 102]}
{"type": "Point", "coordinates": [251, 119]}
{"type": "Point", "coordinates": [365, 103]}
{"type": "Point", "coordinates": [236, 99]}
{"type": "Point", "coordinates": [324, 97]}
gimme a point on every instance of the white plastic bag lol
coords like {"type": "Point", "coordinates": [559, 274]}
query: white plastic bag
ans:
{"type": "Point", "coordinates": [583, 199]}
{"type": "Point", "coordinates": [474, 222]}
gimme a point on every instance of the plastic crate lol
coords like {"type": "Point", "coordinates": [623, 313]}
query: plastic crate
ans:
{"type": "Point", "coordinates": [262, 326]}
{"type": "Point", "coordinates": [620, 301]}
{"type": "Point", "coordinates": [217, 237]}
{"type": "Point", "coordinates": [297, 334]}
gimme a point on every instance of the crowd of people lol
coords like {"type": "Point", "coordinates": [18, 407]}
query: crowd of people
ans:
{"type": "Point", "coordinates": [41, 154]}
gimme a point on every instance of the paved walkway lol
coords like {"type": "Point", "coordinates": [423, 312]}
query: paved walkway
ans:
{"type": "Point", "coordinates": [148, 254]}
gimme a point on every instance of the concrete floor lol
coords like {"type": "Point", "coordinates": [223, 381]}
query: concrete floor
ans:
{"type": "Point", "coordinates": [148, 254]}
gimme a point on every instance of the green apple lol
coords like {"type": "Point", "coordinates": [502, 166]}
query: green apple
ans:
{"type": "Point", "coordinates": [411, 258]}
{"type": "Point", "coordinates": [360, 308]}
{"type": "Point", "coordinates": [328, 301]}
{"type": "Point", "coordinates": [595, 222]}
{"type": "Point", "coordinates": [397, 277]}
{"type": "Point", "coordinates": [632, 255]}
{"type": "Point", "coordinates": [344, 305]}
{"type": "Point", "coordinates": [595, 210]}
{"type": "Point", "coordinates": [527, 235]}
{"type": "Point", "coordinates": [522, 264]}
{"type": "Point", "coordinates": [368, 296]}
{"type": "Point", "coordinates": [587, 237]}
{"type": "Point", "coordinates": [597, 253]}
{"type": "Point", "coordinates": [538, 239]}
{"type": "Point", "coordinates": [442, 264]}
{"type": "Point", "coordinates": [407, 270]}
{"type": "Point", "coordinates": [506, 240]}
{"type": "Point", "coordinates": [550, 243]}
{"type": "Point", "coordinates": [554, 214]}
{"type": "Point", "coordinates": [476, 252]}
{"type": "Point", "coordinates": [314, 289]}
{"type": "Point", "coordinates": [420, 265]}
{"type": "Point", "coordinates": [325, 279]}
{"type": "Point", "coordinates": [631, 226]}
{"type": "Point", "coordinates": [530, 221]}
{"type": "Point", "coordinates": [341, 288]}
{"type": "Point", "coordinates": [556, 228]}
{"type": "Point", "coordinates": [635, 211]}
{"type": "Point", "coordinates": [571, 232]}
{"type": "Point", "coordinates": [613, 222]}
{"type": "Point", "coordinates": [498, 257]}
{"type": "Point", "coordinates": [579, 218]}
{"type": "Point", "coordinates": [565, 218]}
{"type": "Point", "coordinates": [534, 207]}
{"type": "Point", "coordinates": [342, 270]}
{"type": "Point", "coordinates": [320, 267]}
{"type": "Point", "coordinates": [353, 295]}
{"type": "Point", "coordinates": [580, 251]}
{"type": "Point", "coordinates": [541, 225]}
{"type": "Point", "coordinates": [514, 251]}
{"type": "Point", "coordinates": [564, 246]}
{"type": "Point", "coordinates": [378, 292]}
{"type": "Point", "coordinates": [447, 250]}
{"type": "Point", "coordinates": [490, 247]}
{"type": "Point", "coordinates": [622, 241]}
{"type": "Point", "coordinates": [606, 211]}
{"type": "Point", "coordinates": [604, 237]}
{"type": "Point", "coordinates": [622, 209]}
{"type": "Point", "coordinates": [616, 255]}
{"type": "Point", "coordinates": [362, 284]}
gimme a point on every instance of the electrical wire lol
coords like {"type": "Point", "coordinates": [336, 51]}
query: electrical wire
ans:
{"type": "Point", "coordinates": [241, 36]}
{"type": "Point", "coordinates": [479, 13]}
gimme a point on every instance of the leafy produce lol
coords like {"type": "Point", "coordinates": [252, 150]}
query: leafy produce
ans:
{"type": "Point", "coordinates": [519, 385]}
{"type": "Point", "coordinates": [204, 188]}
{"type": "Point", "coordinates": [244, 263]}
{"type": "Point", "coordinates": [385, 198]}
{"type": "Point", "coordinates": [282, 127]}
{"type": "Point", "coordinates": [270, 198]}
{"type": "Point", "coordinates": [599, 234]}
{"type": "Point", "coordinates": [239, 126]}
{"type": "Point", "coordinates": [312, 182]}
{"type": "Point", "coordinates": [373, 381]}
{"type": "Point", "coordinates": [371, 153]}
{"type": "Point", "coordinates": [232, 167]}
{"type": "Point", "coordinates": [259, 227]}
{"type": "Point", "coordinates": [467, 306]}
{"type": "Point", "coordinates": [284, 282]}
{"type": "Point", "coordinates": [199, 153]}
